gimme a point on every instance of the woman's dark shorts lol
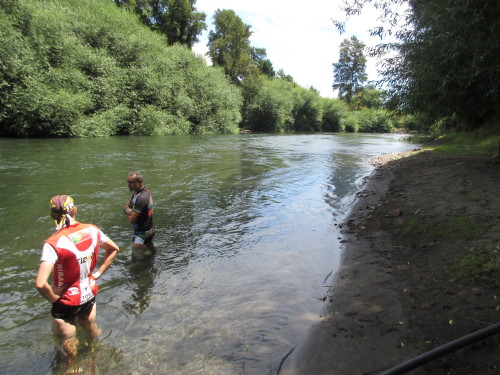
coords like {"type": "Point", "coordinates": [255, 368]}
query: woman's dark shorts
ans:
{"type": "Point", "coordinates": [66, 312]}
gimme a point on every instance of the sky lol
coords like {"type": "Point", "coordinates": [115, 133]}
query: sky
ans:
{"type": "Point", "coordinates": [301, 40]}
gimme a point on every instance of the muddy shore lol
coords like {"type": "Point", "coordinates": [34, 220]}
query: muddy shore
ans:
{"type": "Point", "coordinates": [395, 294]}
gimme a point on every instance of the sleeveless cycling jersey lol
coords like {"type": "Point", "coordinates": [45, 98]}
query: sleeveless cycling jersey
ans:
{"type": "Point", "coordinates": [77, 249]}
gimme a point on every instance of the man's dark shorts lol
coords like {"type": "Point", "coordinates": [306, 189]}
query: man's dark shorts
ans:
{"type": "Point", "coordinates": [66, 312]}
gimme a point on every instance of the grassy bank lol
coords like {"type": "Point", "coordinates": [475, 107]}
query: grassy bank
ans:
{"type": "Point", "coordinates": [481, 263]}
{"type": "Point", "coordinates": [481, 143]}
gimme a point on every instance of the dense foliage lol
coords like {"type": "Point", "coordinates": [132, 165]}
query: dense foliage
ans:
{"type": "Point", "coordinates": [90, 68]}
{"type": "Point", "coordinates": [177, 19]}
{"type": "Point", "coordinates": [87, 68]}
{"type": "Point", "coordinates": [445, 66]}
{"type": "Point", "coordinates": [453, 57]}
{"type": "Point", "coordinates": [278, 105]}
{"type": "Point", "coordinates": [270, 109]}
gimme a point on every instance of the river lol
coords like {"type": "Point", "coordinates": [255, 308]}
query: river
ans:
{"type": "Point", "coordinates": [247, 237]}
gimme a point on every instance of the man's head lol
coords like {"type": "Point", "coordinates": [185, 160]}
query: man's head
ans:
{"type": "Point", "coordinates": [62, 207]}
{"type": "Point", "coordinates": [135, 181]}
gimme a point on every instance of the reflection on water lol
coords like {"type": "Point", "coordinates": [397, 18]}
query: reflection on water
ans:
{"type": "Point", "coordinates": [246, 237]}
{"type": "Point", "coordinates": [141, 275]}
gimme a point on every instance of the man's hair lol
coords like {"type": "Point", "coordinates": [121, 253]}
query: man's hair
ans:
{"type": "Point", "coordinates": [137, 174]}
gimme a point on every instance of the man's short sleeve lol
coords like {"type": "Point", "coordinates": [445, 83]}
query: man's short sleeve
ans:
{"type": "Point", "coordinates": [141, 204]}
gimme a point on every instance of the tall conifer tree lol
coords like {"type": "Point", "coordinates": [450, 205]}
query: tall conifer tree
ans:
{"type": "Point", "coordinates": [350, 71]}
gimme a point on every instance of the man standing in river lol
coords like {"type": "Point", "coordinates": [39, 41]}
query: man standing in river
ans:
{"type": "Point", "coordinates": [139, 211]}
{"type": "Point", "coordinates": [71, 254]}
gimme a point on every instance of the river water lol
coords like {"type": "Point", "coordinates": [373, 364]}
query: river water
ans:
{"type": "Point", "coordinates": [247, 240]}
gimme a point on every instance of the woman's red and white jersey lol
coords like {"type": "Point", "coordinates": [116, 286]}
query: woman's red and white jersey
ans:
{"type": "Point", "coordinates": [74, 250]}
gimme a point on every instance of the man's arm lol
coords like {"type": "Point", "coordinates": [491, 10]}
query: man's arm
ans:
{"type": "Point", "coordinates": [132, 216]}
{"type": "Point", "coordinates": [111, 251]}
{"type": "Point", "coordinates": [42, 284]}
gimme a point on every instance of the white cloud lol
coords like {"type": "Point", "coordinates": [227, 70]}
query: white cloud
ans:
{"type": "Point", "coordinates": [301, 40]}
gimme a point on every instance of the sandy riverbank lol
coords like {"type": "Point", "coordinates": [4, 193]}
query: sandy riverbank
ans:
{"type": "Point", "coordinates": [394, 297]}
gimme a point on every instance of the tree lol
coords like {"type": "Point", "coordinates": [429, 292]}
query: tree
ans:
{"type": "Point", "coordinates": [140, 7]}
{"type": "Point", "coordinates": [334, 110]}
{"type": "Point", "coordinates": [229, 45]}
{"type": "Point", "coordinates": [446, 63]}
{"type": "Point", "coordinates": [450, 61]}
{"type": "Point", "coordinates": [103, 75]}
{"type": "Point", "coordinates": [265, 65]}
{"type": "Point", "coordinates": [177, 19]}
{"type": "Point", "coordinates": [283, 76]}
{"type": "Point", "coordinates": [350, 71]}
{"type": "Point", "coordinates": [308, 111]}
{"type": "Point", "coordinates": [368, 97]}
{"type": "Point", "coordinates": [271, 108]}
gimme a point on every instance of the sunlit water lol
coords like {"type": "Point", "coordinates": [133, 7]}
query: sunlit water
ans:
{"type": "Point", "coordinates": [246, 234]}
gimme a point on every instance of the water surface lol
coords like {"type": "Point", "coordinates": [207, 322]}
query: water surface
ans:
{"type": "Point", "coordinates": [247, 237]}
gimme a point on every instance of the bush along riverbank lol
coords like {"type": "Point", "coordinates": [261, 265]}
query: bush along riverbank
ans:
{"type": "Point", "coordinates": [91, 69]}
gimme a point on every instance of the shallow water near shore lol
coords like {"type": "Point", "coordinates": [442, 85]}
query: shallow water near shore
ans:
{"type": "Point", "coordinates": [246, 234]}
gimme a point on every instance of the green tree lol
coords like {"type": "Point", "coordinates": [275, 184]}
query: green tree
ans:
{"type": "Point", "coordinates": [177, 19]}
{"type": "Point", "coordinates": [141, 8]}
{"type": "Point", "coordinates": [229, 45]}
{"type": "Point", "coordinates": [265, 65]}
{"type": "Point", "coordinates": [446, 61]}
{"type": "Point", "coordinates": [308, 111]}
{"type": "Point", "coordinates": [350, 71]}
{"type": "Point", "coordinates": [453, 60]}
{"type": "Point", "coordinates": [374, 121]}
{"type": "Point", "coordinates": [368, 97]}
{"type": "Point", "coordinates": [334, 110]}
{"type": "Point", "coordinates": [73, 68]}
{"type": "Point", "coordinates": [271, 108]}
{"type": "Point", "coordinates": [285, 77]}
